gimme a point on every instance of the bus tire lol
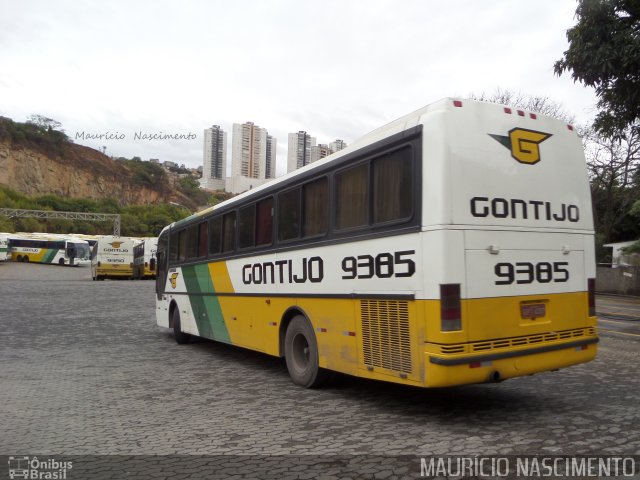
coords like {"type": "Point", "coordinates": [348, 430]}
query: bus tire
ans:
{"type": "Point", "coordinates": [178, 334]}
{"type": "Point", "coordinates": [61, 261]}
{"type": "Point", "coordinates": [19, 258]}
{"type": "Point", "coordinates": [25, 259]}
{"type": "Point", "coordinates": [301, 354]}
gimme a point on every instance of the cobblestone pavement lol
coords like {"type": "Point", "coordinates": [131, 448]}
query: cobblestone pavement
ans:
{"type": "Point", "coordinates": [84, 370]}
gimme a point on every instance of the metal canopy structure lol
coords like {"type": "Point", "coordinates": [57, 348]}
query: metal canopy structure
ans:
{"type": "Point", "coordinates": [99, 217]}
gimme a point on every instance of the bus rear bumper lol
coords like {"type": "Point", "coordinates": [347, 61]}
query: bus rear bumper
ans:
{"type": "Point", "coordinates": [449, 370]}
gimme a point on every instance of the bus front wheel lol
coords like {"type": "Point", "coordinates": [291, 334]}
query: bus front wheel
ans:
{"type": "Point", "coordinates": [178, 334]}
{"type": "Point", "coordinates": [301, 354]}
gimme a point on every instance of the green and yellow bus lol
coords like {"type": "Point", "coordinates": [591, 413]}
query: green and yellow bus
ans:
{"type": "Point", "coordinates": [452, 246]}
{"type": "Point", "coordinates": [49, 248]}
{"type": "Point", "coordinates": [144, 258]}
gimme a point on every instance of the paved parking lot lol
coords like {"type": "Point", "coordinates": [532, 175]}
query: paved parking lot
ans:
{"type": "Point", "coordinates": [84, 370]}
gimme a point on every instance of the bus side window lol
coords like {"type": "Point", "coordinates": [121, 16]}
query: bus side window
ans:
{"type": "Point", "coordinates": [315, 202]}
{"type": "Point", "coordinates": [264, 222]}
{"type": "Point", "coordinates": [215, 235]}
{"type": "Point", "coordinates": [229, 232]}
{"type": "Point", "coordinates": [173, 247]}
{"type": "Point", "coordinates": [289, 215]}
{"type": "Point", "coordinates": [352, 197]}
{"type": "Point", "coordinates": [182, 245]}
{"type": "Point", "coordinates": [246, 226]}
{"type": "Point", "coordinates": [392, 192]}
{"type": "Point", "coordinates": [192, 241]}
{"type": "Point", "coordinates": [202, 239]}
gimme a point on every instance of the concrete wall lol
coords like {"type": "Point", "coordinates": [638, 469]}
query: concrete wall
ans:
{"type": "Point", "coordinates": [621, 280]}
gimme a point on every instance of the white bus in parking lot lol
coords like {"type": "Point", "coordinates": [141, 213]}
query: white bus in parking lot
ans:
{"type": "Point", "coordinates": [48, 248]}
{"type": "Point", "coordinates": [451, 246]}
{"type": "Point", "coordinates": [112, 257]}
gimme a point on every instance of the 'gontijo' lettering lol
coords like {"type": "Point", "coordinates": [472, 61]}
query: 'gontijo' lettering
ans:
{"type": "Point", "coordinates": [284, 271]}
{"type": "Point", "coordinates": [525, 209]}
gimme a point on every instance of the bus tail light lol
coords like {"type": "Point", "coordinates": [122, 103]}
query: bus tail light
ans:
{"type": "Point", "coordinates": [450, 307]}
{"type": "Point", "coordinates": [591, 287]}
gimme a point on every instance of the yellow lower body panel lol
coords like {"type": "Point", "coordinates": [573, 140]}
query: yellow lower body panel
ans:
{"type": "Point", "coordinates": [114, 272]}
{"type": "Point", "coordinates": [527, 362]}
{"type": "Point", "coordinates": [400, 340]}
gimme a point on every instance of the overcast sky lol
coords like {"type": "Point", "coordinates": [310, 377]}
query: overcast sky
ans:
{"type": "Point", "coordinates": [335, 68]}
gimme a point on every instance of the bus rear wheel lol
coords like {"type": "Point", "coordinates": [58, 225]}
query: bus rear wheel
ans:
{"type": "Point", "coordinates": [178, 334]}
{"type": "Point", "coordinates": [301, 354]}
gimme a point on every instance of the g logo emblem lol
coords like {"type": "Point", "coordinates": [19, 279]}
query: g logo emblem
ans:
{"type": "Point", "coordinates": [523, 144]}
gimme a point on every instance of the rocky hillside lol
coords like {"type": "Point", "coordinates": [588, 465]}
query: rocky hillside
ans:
{"type": "Point", "coordinates": [37, 161]}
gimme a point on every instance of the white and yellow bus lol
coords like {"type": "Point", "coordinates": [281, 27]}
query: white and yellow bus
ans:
{"type": "Point", "coordinates": [5, 254]}
{"type": "Point", "coordinates": [452, 246]}
{"type": "Point", "coordinates": [48, 248]}
{"type": "Point", "coordinates": [112, 257]}
{"type": "Point", "coordinates": [144, 258]}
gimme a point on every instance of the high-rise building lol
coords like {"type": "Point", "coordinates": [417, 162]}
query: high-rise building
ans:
{"type": "Point", "coordinates": [253, 157]}
{"type": "Point", "coordinates": [299, 152]}
{"type": "Point", "coordinates": [270, 163]}
{"type": "Point", "coordinates": [319, 152]}
{"type": "Point", "coordinates": [249, 151]}
{"type": "Point", "coordinates": [337, 145]}
{"type": "Point", "coordinates": [214, 158]}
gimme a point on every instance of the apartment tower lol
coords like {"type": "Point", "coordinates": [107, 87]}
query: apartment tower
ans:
{"type": "Point", "coordinates": [214, 168]}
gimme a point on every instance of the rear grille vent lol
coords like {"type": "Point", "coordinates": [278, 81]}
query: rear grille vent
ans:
{"type": "Point", "coordinates": [386, 340]}
{"type": "Point", "coordinates": [518, 341]}
{"type": "Point", "coordinates": [452, 348]}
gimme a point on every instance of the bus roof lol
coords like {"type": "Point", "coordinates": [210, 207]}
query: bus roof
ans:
{"type": "Point", "coordinates": [399, 125]}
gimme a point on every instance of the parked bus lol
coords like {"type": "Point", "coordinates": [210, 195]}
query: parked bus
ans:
{"type": "Point", "coordinates": [5, 254]}
{"type": "Point", "coordinates": [452, 246]}
{"type": "Point", "coordinates": [49, 248]}
{"type": "Point", "coordinates": [144, 258]}
{"type": "Point", "coordinates": [112, 257]}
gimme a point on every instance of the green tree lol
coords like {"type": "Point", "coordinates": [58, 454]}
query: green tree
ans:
{"type": "Point", "coordinates": [604, 53]}
{"type": "Point", "coordinates": [613, 166]}
{"type": "Point", "coordinates": [29, 224]}
{"type": "Point", "coordinates": [6, 225]}
{"type": "Point", "coordinates": [45, 123]}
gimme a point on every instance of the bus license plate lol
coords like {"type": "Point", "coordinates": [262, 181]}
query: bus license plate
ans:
{"type": "Point", "coordinates": [533, 310]}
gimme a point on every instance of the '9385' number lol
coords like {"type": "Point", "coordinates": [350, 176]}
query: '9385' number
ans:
{"type": "Point", "coordinates": [527, 272]}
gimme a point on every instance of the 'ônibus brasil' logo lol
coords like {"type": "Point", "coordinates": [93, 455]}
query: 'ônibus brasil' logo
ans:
{"type": "Point", "coordinates": [523, 144]}
{"type": "Point", "coordinates": [172, 279]}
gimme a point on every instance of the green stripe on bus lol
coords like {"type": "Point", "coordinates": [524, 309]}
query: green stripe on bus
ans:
{"type": "Point", "coordinates": [206, 308]}
{"type": "Point", "coordinates": [49, 255]}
